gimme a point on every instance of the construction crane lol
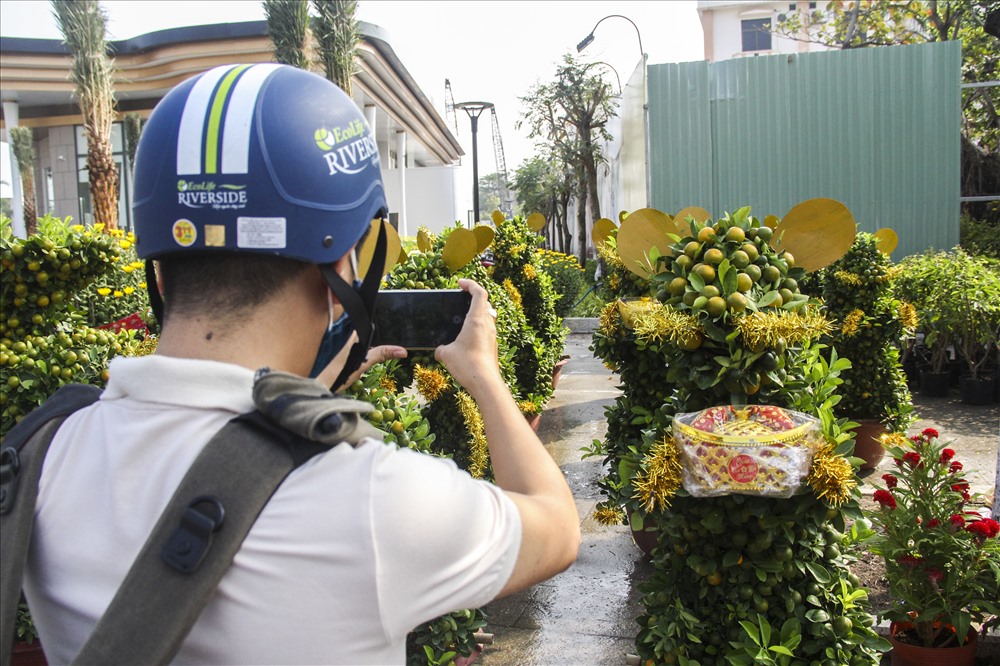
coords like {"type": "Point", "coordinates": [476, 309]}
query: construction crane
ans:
{"type": "Point", "coordinates": [449, 107]}
{"type": "Point", "coordinates": [506, 196]}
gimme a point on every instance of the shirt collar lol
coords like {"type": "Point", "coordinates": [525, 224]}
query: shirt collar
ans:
{"type": "Point", "coordinates": [181, 382]}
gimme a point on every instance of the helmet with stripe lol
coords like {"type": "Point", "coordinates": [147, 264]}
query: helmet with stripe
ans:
{"type": "Point", "coordinates": [259, 158]}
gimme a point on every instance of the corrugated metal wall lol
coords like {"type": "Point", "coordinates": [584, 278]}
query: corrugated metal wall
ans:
{"type": "Point", "coordinates": [876, 128]}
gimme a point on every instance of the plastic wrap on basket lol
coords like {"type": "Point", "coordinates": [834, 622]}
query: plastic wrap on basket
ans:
{"type": "Point", "coordinates": [752, 450]}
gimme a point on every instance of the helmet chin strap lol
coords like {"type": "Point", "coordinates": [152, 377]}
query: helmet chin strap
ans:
{"type": "Point", "coordinates": [359, 305]}
{"type": "Point", "coordinates": [153, 289]}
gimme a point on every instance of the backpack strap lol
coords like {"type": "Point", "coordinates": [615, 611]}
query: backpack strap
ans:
{"type": "Point", "coordinates": [21, 456]}
{"type": "Point", "coordinates": [198, 534]}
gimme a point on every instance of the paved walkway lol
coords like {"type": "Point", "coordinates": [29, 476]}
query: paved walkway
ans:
{"type": "Point", "coordinates": [586, 615]}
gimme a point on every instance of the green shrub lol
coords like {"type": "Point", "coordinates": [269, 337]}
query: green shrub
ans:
{"type": "Point", "coordinates": [869, 328]}
{"type": "Point", "coordinates": [46, 339]}
{"type": "Point", "coordinates": [979, 237]}
{"type": "Point", "coordinates": [568, 279]}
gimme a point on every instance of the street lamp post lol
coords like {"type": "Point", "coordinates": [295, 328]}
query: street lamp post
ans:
{"type": "Point", "coordinates": [587, 41]}
{"type": "Point", "coordinates": [474, 109]}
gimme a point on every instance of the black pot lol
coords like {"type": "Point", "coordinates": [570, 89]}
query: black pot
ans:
{"type": "Point", "coordinates": [976, 391]}
{"type": "Point", "coordinates": [935, 384]}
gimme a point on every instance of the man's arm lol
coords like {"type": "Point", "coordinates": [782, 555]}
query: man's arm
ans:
{"type": "Point", "coordinates": [550, 536]}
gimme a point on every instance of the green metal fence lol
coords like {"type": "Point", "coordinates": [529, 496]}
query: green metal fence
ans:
{"type": "Point", "coordinates": [877, 128]}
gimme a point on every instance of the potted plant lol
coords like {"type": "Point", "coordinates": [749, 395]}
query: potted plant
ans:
{"type": "Point", "coordinates": [918, 279]}
{"type": "Point", "coordinates": [973, 295]}
{"type": "Point", "coordinates": [870, 328]}
{"type": "Point", "coordinates": [942, 558]}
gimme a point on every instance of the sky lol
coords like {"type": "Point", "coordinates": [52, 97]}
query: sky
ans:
{"type": "Point", "coordinates": [491, 51]}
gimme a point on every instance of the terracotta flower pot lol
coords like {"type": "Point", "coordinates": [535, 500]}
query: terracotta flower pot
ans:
{"type": "Point", "coordinates": [557, 370]}
{"type": "Point", "coordinates": [867, 442]}
{"type": "Point", "coordinates": [906, 654]}
{"type": "Point", "coordinates": [28, 654]}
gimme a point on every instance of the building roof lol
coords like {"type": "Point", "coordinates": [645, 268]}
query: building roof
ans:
{"type": "Point", "coordinates": [33, 72]}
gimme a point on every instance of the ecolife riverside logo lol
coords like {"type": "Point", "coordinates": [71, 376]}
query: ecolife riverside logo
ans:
{"type": "Point", "coordinates": [351, 157]}
{"type": "Point", "coordinates": [198, 194]}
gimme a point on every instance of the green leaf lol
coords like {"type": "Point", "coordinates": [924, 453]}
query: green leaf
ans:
{"type": "Point", "coordinates": [768, 299]}
{"type": "Point", "coordinates": [751, 630]}
{"type": "Point", "coordinates": [819, 572]}
{"type": "Point", "coordinates": [635, 521]}
{"type": "Point", "coordinates": [696, 281]}
{"type": "Point", "coordinates": [781, 649]}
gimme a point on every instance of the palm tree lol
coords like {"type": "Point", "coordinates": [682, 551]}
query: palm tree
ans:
{"type": "Point", "coordinates": [288, 29]}
{"type": "Point", "coordinates": [23, 144]}
{"type": "Point", "coordinates": [337, 35]}
{"type": "Point", "coordinates": [84, 25]}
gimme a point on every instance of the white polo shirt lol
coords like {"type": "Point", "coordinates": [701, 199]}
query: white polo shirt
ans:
{"type": "Point", "coordinates": [357, 546]}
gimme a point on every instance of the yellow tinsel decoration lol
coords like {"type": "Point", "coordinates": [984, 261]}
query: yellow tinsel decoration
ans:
{"type": "Point", "coordinates": [764, 329]}
{"type": "Point", "coordinates": [848, 278]}
{"type": "Point", "coordinates": [478, 452]}
{"type": "Point", "coordinates": [652, 322]}
{"type": "Point", "coordinates": [608, 515]}
{"type": "Point", "coordinates": [851, 322]}
{"type": "Point", "coordinates": [655, 487]}
{"type": "Point", "coordinates": [529, 272]}
{"type": "Point", "coordinates": [385, 382]}
{"type": "Point", "coordinates": [609, 254]}
{"type": "Point", "coordinates": [430, 383]}
{"type": "Point", "coordinates": [528, 408]}
{"type": "Point", "coordinates": [831, 477]}
{"type": "Point", "coordinates": [610, 321]}
{"type": "Point", "coordinates": [908, 315]}
{"type": "Point", "coordinates": [512, 291]}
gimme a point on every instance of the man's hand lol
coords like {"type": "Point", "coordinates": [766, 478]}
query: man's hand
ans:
{"type": "Point", "coordinates": [472, 357]}
{"type": "Point", "coordinates": [376, 355]}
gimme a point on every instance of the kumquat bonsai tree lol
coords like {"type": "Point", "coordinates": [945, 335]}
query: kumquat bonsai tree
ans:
{"type": "Point", "coordinates": [744, 473]}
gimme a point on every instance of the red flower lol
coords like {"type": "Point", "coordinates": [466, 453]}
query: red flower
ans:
{"type": "Point", "coordinates": [962, 488]}
{"type": "Point", "coordinates": [929, 433]}
{"type": "Point", "coordinates": [912, 458]}
{"type": "Point", "coordinates": [909, 560]}
{"type": "Point", "coordinates": [932, 523]}
{"type": "Point", "coordinates": [885, 498]}
{"type": "Point", "coordinates": [935, 575]}
{"type": "Point", "coordinates": [890, 480]}
{"type": "Point", "coordinates": [957, 520]}
{"type": "Point", "coordinates": [986, 528]}
{"type": "Point", "coordinates": [955, 466]}
{"type": "Point", "coordinates": [947, 454]}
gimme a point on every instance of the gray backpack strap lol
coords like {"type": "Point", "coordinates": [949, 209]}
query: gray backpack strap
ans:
{"type": "Point", "coordinates": [213, 509]}
{"type": "Point", "coordinates": [21, 456]}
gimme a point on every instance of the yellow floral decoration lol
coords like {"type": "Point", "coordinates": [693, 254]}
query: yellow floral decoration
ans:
{"type": "Point", "coordinates": [656, 486]}
{"type": "Point", "coordinates": [831, 477]}
{"type": "Point", "coordinates": [430, 383]}
{"type": "Point", "coordinates": [478, 450]}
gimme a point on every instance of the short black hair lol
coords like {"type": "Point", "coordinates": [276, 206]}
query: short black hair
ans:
{"type": "Point", "coordinates": [224, 283]}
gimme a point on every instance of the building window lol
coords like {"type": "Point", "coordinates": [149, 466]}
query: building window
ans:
{"type": "Point", "coordinates": [791, 6]}
{"type": "Point", "coordinates": [757, 34]}
{"type": "Point", "coordinates": [812, 5]}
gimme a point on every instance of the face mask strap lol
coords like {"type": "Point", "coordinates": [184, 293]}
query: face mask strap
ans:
{"type": "Point", "coordinates": [359, 305]}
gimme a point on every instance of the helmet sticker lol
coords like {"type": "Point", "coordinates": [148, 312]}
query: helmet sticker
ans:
{"type": "Point", "coordinates": [215, 235]}
{"type": "Point", "coordinates": [219, 109]}
{"type": "Point", "coordinates": [347, 149]}
{"type": "Point", "coordinates": [260, 232]}
{"type": "Point", "coordinates": [185, 233]}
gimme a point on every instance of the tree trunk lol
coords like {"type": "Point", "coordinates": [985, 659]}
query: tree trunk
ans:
{"type": "Point", "coordinates": [581, 218]}
{"type": "Point", "coordinates": [590, 165]}
{"type": "Point", "coordinates": [103, 174]}
{"type": "Point", "coordinates": [564, 233]}
{"type": "Point", "coordinates": [28, 201]}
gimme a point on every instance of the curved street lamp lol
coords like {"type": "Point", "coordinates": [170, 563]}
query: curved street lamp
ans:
{"type": "Point", "coordinates": [474, 109]}
{"type": "Point", "coordinates": [584, 43]}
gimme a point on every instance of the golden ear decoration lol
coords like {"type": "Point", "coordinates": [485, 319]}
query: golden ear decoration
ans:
{"type": "Point", "coordinates": [641, 231]}
{"type": "Point", "coordinates": [887, 240]}
{"type": "Point", "coordinates": [424, 242]}
{"type": "Point", "coordinates": [498, 217]}
{"type": "Point", "coordinates": [484, 236]}
{"type": "Point", "coordinates": [536, 221]}
{"type": "Point", "coordinates": [459, 249]}
{"type": "Point", "coordinates": [393, 248]}
{"type": "Point", "coordinates": [622, 214]}
{"type": "Point", "coordinates": [601, 230]}
{"type": "Point", "coordinates": [681, 218]}
{"type": "Point", "coordinates": [816, 232]}
{"type": "Point", "coordinates": [771, 221]}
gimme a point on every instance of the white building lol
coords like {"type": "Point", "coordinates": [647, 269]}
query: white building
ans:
{"type": "Point", "coordinates": [743, 29]}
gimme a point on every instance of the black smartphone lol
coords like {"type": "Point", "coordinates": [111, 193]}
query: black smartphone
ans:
{"type": "Point", "coordinates": [419, 318]}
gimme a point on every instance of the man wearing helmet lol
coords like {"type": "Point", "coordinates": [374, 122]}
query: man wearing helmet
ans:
{"type": "Point", "coordinates": [254, 185]}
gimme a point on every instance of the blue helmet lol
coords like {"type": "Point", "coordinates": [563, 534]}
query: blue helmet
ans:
{"type": "Point", "coordinates": [259, 158]}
